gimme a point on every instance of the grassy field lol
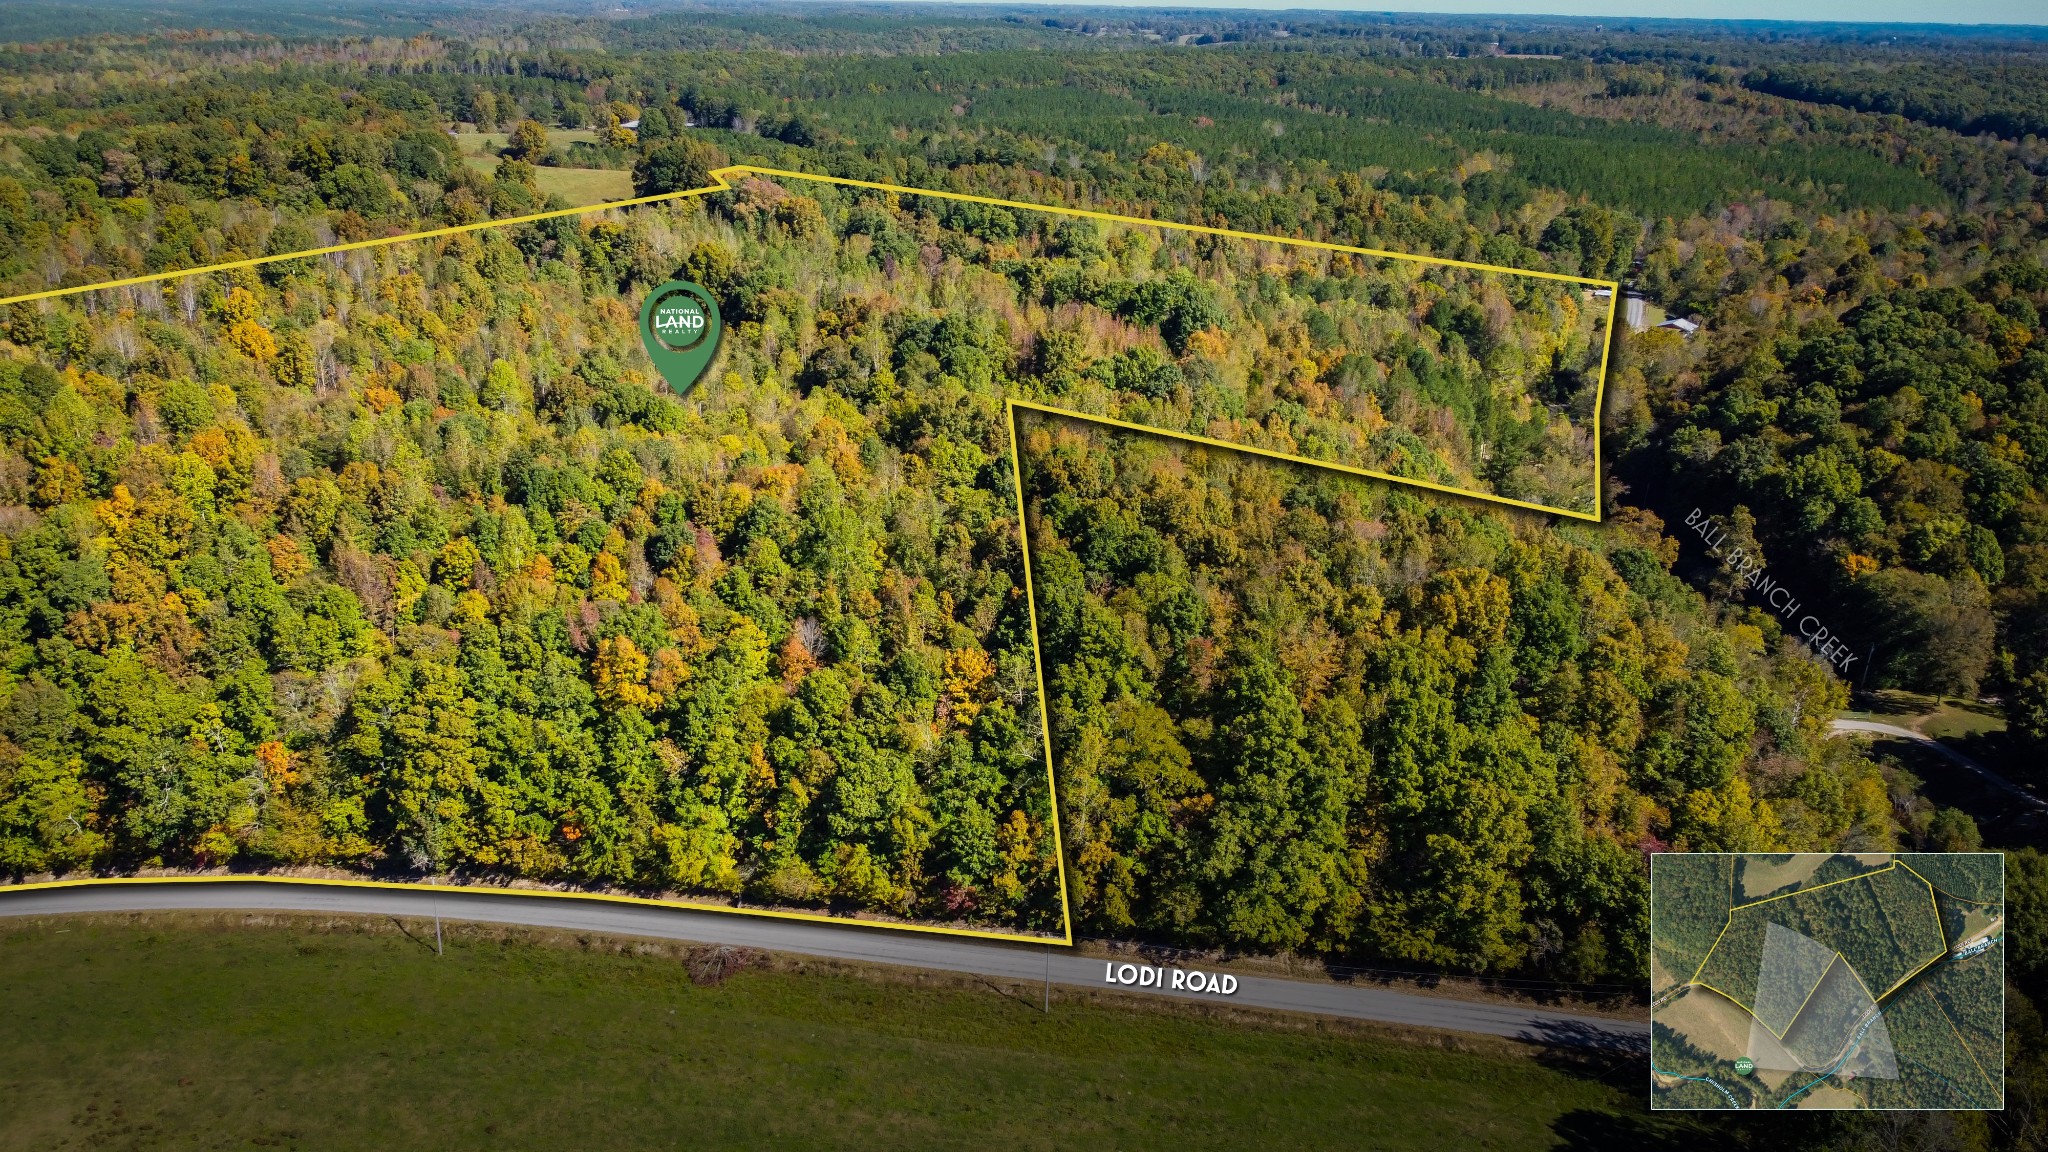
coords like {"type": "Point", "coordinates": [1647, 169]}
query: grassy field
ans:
{"type": "Point", "coordinates": [579, 186]}
{"type": "Point", "coordinates": [219, 1030]}
{"type": "Point", "coordinates": [1942, 718]}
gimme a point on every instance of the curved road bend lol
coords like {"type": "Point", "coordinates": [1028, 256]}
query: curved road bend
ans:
{"type": "Point", "coordinates": [1875, 728]}
{"type": "Point", "coordinates": [1023, 962]}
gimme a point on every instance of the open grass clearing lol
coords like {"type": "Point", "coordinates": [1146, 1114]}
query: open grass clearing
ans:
{"type": "Point", "coordinates": [579, 186]}
{"type": "Point", "coordinates": [1709, 1022]}
{"type": "Point", "coordinates": [488, 143]}
{"type": "Point", "coordinates": [313, 1032]}
{"type": "Point", "coordinates": [1939, 717]}
{"type": "Point", "coordinates": [1763, 875]}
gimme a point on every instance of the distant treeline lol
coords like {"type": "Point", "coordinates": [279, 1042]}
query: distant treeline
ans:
{"type": "Point", "coordinates": [2008, 100]}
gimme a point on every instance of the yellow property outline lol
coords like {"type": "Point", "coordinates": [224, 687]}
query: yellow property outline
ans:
{"type": "Point", "coordinates": [1729, 922]}
{"type": "Point", "coordinates": [1010, 406]}
{"type": "Point", "coordinates": [1997, 1086]}
{"type": "Point", "coordinates": [719, 176]}
{"type": "Point", "coordinates": [1945, 892]}
{"type": "Point", "coordinates": [1052, 776]}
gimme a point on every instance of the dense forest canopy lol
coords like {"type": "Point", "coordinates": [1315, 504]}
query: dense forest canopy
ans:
{"type": "Point", "coordinates": [400, 560]}
{"type": "Point", "coordinates": [411, 488]}
{"type": "Point", "coordinates": [2007, 99]}
{"type": "Point", "coordinates": [1298, 711]}
{"type": "Point", "coordinates": [1902, 445]}
{"type": "Point", "coordinates": [494, 604]}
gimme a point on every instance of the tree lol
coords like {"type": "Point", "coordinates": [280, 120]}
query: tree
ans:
{"type": "Point", "coordinates": [2026, 886]}
{"type": "Point", "coordinates": [358, 189]}
{"type": "Point", "coordinates": [47, 817]}
{"type": "Point", "coordinates": [1952, 830]}
{"type": "Point", "coordinates": [528, 142]}
{"type": "Point", "coordinates": [2028, 707]}
{"type": "Point", "coordinates": [483, 109]}
{"type": "Point", "coordinates": [675, 166]}
{"type": "Point", "coordinates": [487, 601]}
{"type": "Point", "coordinates": [1940, 631]}
{"type": "Point", "coordinates": [615, 134]}
{"type": "Point", "coordinates": [1271, 858]}
{"type": "Point", "coordinates": [415, 731]}
{"type": "Point", "coordinates": [1718, 723]}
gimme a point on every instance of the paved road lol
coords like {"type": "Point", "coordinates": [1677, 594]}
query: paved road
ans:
{"type": "Point", "coordinates": [868, 945]}
{"type": "Point", "coordinates": [1992, 778]}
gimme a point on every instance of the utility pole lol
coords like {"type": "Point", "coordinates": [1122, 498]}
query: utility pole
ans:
{"type": "Point", "coordinates": [432, 883]}
{"type": "Point", "coordinates": [1048, 979]}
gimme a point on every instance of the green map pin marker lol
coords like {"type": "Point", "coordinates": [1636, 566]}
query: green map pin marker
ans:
{"type": "Point", "coordinates": [679, 325]}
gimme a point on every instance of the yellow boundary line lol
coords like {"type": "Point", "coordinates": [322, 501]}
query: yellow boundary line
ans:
{"type": "Point", "coordinates": [1747, 1011]}
{"type": "Point", "coordinates": [1751, 1012]}
{"type": "Point", "coordinates": [1696, 982]}
{"type": "Point", "coordinates": [1818, 887]}
{"type": "Point", "coordinates": [1932, 903]}
{"type": "Point", "coordinates": [360, 245]}
{"type": "Point", "coordinates": [1964, 1044]}
{"type": "Point", "coordinates": [1276, 454]}
{"type": "Point", "coordinates": [1944, 891]}
{"type": "Point", "coordinates": [1901, 981]}
{"type": "Point", "coordinates": [1038, 664]}
{"type": "Point", "coordinates": [1175, 225]}
{"type": "Point", "coordinates": [1931, 890]}
{"type": "Point", "coordinates": [1726, 919]}
{"type": "Point", "coordinates": [1859, 980]}
{"type": "Point", "coordinates": [1875, 999]}
{"type": "Point", "coordinates": [1065, 938]}
{"type": "Point", "coordinates": [1725, 925]}
{"type": "Point", "coordinates": [1815, 991]}
{"type": "Point", "coordinates": [1939, 932]}
{"type": "Point", "coordinates": [480, 889]}
{"type": "Point", "coordinates": [1933, 906]}
{"type": "Point", "coordinates": [719, 175]}
{"type": "Point", "coordinates": [1010, 405]}
{"type": "Point", "coordinates": [1997, 1086]}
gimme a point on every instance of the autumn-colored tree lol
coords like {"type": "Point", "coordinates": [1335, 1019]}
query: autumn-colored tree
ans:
{"type": "Point", "coordinates": [619, 672]}
{"type": "Point", "coordinates": [528, 141]}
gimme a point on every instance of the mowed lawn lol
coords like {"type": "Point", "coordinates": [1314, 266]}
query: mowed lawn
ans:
{"type": "Point", "coordinates": [579, 186]}
{"type": "Point", "coordinates": [201, 1031]}
{"type": "Point", "coordinates": [584, 186]}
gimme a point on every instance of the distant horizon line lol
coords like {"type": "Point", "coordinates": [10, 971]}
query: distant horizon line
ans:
{"type": "Point", "coordinates": [1279, 7]}
{"type": "Point", "coordinates": [1981, 19]}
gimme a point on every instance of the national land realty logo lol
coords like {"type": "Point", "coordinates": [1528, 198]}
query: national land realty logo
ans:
{"type": "Point", "coordinates": [679, 326]}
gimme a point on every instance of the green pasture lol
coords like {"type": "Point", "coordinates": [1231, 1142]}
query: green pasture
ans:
{"type": "Point", "coordinates": [196, 1031]}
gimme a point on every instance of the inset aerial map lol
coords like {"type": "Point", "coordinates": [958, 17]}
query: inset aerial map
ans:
{"type": "Point", "coordinates": [1819, 980]}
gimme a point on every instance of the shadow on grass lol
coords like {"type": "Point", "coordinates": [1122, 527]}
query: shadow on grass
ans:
{"type": "Point", "coordinates": [1577, 1036]}
{"type": "Point", "coordinates": [2003, 822]}
{"type": "Point", "coordinates": [1585, 1130]}
{"type": "Point", "coordinates": [421, 940]}
{"type": "Point", "coordinates": [2003, 753]}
